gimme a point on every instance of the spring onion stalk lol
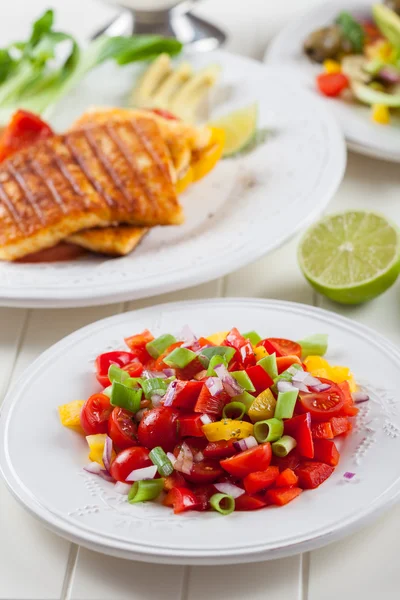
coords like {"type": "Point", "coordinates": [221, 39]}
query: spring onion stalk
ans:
{"type": "Point", "coordinates": [125, 397]}
{"type": "Point", "coordinates": [161, 460]}
{"type": "Point", "coordinates": [133, 382]}
{"type": "Point", "coordinates": [145, 490]}
{"type": "Point", "coordinates": [314, 345]}
{"type": "Point", "coordinates": [269, 430]}
{"type": "Point", "coordinates": [286, 376]}
{"type": "Point", "coordinates": [107, 391]}
{"type": "Point", "coordinates": [234, 410]}
{"type": "Point", "coordinates": [253, 337]}
{"type": "Point", "coordinates": [156, 347]}
{"type": "Point", "coordinates": [268, 363]}
{"type": "Point", "coordinates": [246, 399]}
{"type": "Point", "coordinates": [117, 374]}
{"type": "Point", "coordinates": [283, 446]}
{"type": "Point", "coordinates": [243, 380]}
{"type": "Point", "coordinates": [154, 386]}
{"type": "Point", "coordinates": [285, 404]}
{"type": "Point", "coordinates": [215, 360]}
{"type": "Point", "coordinates": [207, 353]}
{"type": "Point", "coordinates": [180, 358]}
{"type": "Point", "coordinates": [222, 503]}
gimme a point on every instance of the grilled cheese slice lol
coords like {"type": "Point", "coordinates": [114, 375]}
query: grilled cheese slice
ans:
{"type": "Point", "coordinates": [115, 172]}
{"type": "Point", "coordinates": [114, 241]}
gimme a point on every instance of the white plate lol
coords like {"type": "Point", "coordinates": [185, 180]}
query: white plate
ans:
{"type": "Point", "coordinates": [42, 461]}
{"type": "Point", "coordinates": [286, 49]}
{"type": "Point", "coordinates": [245, 208]}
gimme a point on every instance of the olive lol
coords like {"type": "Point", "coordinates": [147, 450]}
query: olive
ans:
{"type": "Point", "coordinates": [324, 43]}
{"type": "Point", "coordinates": [394, 5]}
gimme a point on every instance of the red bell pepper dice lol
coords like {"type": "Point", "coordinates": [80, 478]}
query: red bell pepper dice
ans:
{"type": "Point", "coordinates": [326, 452]}
{"type": "Point", "coordinates": [192, 369]}
{"type": "Point", "coordinates": [259, 378]}
{"type": "Point", "coordinates": [291, 461]}
{"type": "Point", "coordinates": [137, 343]}
{"type": "Point", "coordinates": [190, 426]}
{"type": "Point", "coordinates": [286, 479]}
{"type": "Point", "coordinates": [203, 494]}
{"type": "Point", "coordinates": [222, 449]}
{"type": "Point", "coordinates": [24, 129]}
{"type": "Point", "coordinates": [247, 355]}
{"type": "Point", "coordinates": [349, 408]}
{"type": "Point", "coordinates": [173, 481]}
{"type": "Point", "coordinates": [282, 496]}
{"type": "Point", "coordinates": [208, 404]}
{"type": "Point", "coordinates": [300, 428]}
{"type": "Point", "coordinates": [340, 426]}
{"type": "Point", "coordinates": [332, 84]}
{"type": "Point", "coordinates": [181, 499]}
{"type": "Point", "coordinates": [323, 431]}
{"type": "Point", "coordinates": [235, 339]}
{"type": "Point", "coordinates": [245, 502]}
{"type": "Point", "coordinates": [312, 474]}
{"type": "Point", "coordinates": [186, 394]}
{"type": "Point", "coordinates": [260, 480]}
{"type": "Point", "coordinates": [270, 347]}
{"type": "Point", "coordinates": [104, 361]}
{"type": "Point", "coordinates": [249, 461]}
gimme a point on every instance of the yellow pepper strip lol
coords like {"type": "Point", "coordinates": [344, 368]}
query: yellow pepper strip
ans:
{"type": "Point", "coordinates": [185, 181]}
{"type": "Point", "coordinates": [70, 415]}
{"type": "Point", "coordinates": [380, 114]}
{"type": "Point", "coordinates": [263, 407]}
{"type": "Point", "coordinates": [319, 367]}
{"type": "Point", "coordinates": [209, 157]}
{"type": "Point", "coordinates": [217, 338]}
{"type": "Point", "coordinates": [332, 66]}
{"type": "Point", "coordinates": [260, 352]}
{"type": "Point", "coordinates": [96, 446]}
{"type": "Point", "coordinates": [227, 429]}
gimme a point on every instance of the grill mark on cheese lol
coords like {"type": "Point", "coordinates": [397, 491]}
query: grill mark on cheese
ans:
{"type": "Point", "coordinates": [26, 191]}
{"type": "Point", "coordinates": [47, 181]}
{"type": "Point", "coordinates": [150, 149]}
{"type": "Point", "coordinates": [64, 171]}
{"type": "Point", "coordinates": [16, 217]}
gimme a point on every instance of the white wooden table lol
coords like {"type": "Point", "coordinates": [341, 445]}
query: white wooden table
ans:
{"type": "Point", "coordinates": [37, 565]}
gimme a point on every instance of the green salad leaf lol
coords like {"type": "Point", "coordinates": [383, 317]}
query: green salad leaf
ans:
{"type": "Point", "coordinates": [352, 31]}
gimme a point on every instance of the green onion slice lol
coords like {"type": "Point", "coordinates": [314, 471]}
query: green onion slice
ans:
{"type": "Point", "coordinates": [269, 430]}
{"type": "Point", "coordinates": [315, 345]}
{"type": "Point", "coordinates": [223, 503]}
{"type": "Point", "coordinates": [245, 398]}
{"type": "Point", "coordinates": [217, 359]}
{"type": "Point", "coordinates": [152, 386]}
{"type": "Point", "coordinates": [234, 410]}
{"type": "Point", "coordinates": [206, 354]}
{"type": "Point", "coordinates": [269, 364]}
{"type": "Point", "coordinates": [285, 404]}
{"type": "Point", "coordinates": [161, 460]}
{"type": "Point", "coordinates": [180, 358]}
{"type": "Point", "coordinates": [283, 446]}
{"type": "Point", "coordinates": [125, 397]}
{"type": "Point", "coordinates": [145, 490]}
{"type": "Point", "coordinates": [243, 380]}
{"type": "Point", "coordinates": [285, 376]}
{"type": "Point", "coordinates": [156, 347]}
{"type": "Point", "coordinates": [253, 337]}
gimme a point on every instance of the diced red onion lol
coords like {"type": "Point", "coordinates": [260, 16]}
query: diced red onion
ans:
{"type": "Point", "coordinates": [142, 474]}
{"type": "Point", "coordinates": [184, 461]}
{"type": "Point", "coordinates": [169, 372]}
{"type": "Point", "coordinates": [107, 452]}
{"type": "Point", "coordinates": [140, 414]}
{"type": "Point", "coordinates": [246, 443]}
{"type": "Point", "coordinates": [390, 74]}
{"type": "Point", "coordinates": [122, 488]}
{"type": "Point", "coordinates": [156, 400]}
{"type": "Point", "coordinates": [300, 375]}
{"type": "Point", "coordinates": [359, 397]}
{"type": "Point", "coordinates": [106, 475]}
{"type": "Point", "coordinates": [172, 458]}
{"type": "Point", "coordinates": [214, 385]}
{"type": "Point", "coordinates": [187, 336]}
{"type": "Point", "coordinates": [230, 489]}
{"type": "Point", "coordinates": [93, 468]}
{"type": "Point", "coordinates": [170, 394]}
{"type": "Point", "coordinates": [321, 387]}
{"type": "Point", "coordinates": [293, 370]}
{"type": "Point", "coordinates": [153, 374]}
{"type": "Point", "coordinates": [349, 475]}
{"type": "Point", "coordinates": [285, 386]}
{"type": "Point", "coordinates": [306, 378]}
{"type": "Point", "coordinates": [300, 386]}
{"type": "Point", "coordinates": [198, 457]}
{"type": "Point", "coordinates": [200, 375]}
{"type": "Point", "coordinates": [205, 419]}
{"type": "Point", "coordinates": [230, 384]}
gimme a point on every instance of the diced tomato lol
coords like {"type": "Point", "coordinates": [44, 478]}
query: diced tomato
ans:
{"type": "Point", "coordinates": [129, 460]}
{"type": "Point", "coordinates": [235, 339]}
{"type": "Point", "coordinates": [349, 408]}
{"type": "Point", "coordinates": [190, 370]}
{"type": "Point", "coordinates": [340, 426]}
{"type": "Point", "coordinates": [323, 430]}
{"type": "Point", "coordinates": [281, 347]}
{"type": "Point", "coordinates": [312, 474]}
{"type": "Point", "coordinates": [282, 496]}
{"type": "Point", "coordinates": [203, 494]}
{"type": "Point", "coordinates": [247, 355]}
{"type": "Point", "coordinates": [181, 499]}
{"type": "Point", "coordinates": [259, 378]}
{"type": "Point", "coordinates": [104, 361]}
{"type": "Point", "coordinates": [286, 479]}
{"type": "Point", "coordinates": [190, 426]}
{"type": "Point", "coordinates": [332, 84]}
{"type": "Point", "coordinates": [323, 405]}
{"type": "Point", "coordinates": [326, 452]}
{"type": "Point", "coordinates": [260, 480]}
{"type": "Point", "coordinates": [122, 429]}
{"type": "Point", "coordinates": [205, 471]}
{"type": "Point", "coordinates": [135, 369]}
{"type": "Point", "coordinates": [245, 502]}
{"type": "Point", "coordinates": [300, 428]}
{"type": "Point", "coordinates": [137, 343]}
{"type": "Point", "coordinates": [249, 461]}
{"type": "Point", "coordinates": [95, 414]}
{"type": "Point", "coordinates": [284, 362]}
{"type": "Point", "coordinates": [186, 394]}
{"type": "Point", "coordinates": [222, 449]}
{"type": "Point", "coordinates": [208, 404]}
{"type": "Point", "coordinates": [291, 461]}
{"type": "Point", "coordinates": [174, 480]}
{"type": "Point", "coordinates": [24, 129]}
{"type": "Point", "coordinates": [159, 427]}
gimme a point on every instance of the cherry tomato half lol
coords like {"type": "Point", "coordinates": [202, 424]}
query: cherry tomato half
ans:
{"type": "Point", "coordinates": [129, 460]}
{"type": "Point", "coordinates": [122, 429]}
{"type": "Point", "coordinates": [95, 413]}
{"type": "Point", "coordinates": [159, 427]}
{"type": "Point", "coordinates": [206, 471]}
{"type": "Point", "coordinates": [249, 461]}
{"type": "Point", "coordinates": [286, 347]}
{"type": "Point", "coordinates": [323, 405]}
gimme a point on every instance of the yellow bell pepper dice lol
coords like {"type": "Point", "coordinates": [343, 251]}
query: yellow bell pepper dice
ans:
{"type": "Point", "coordinates": [340, 374]}
{"type": "Point", "coordinates": [380, 114]}
{"type": "Point", "coordinates": [332, 66]}
{"type": "Point", "coordinates": [312, 363]}
{"type": "Point", "coordinates": [70, 415]}
{"type": "Point", "coordinates": [208, 158]}
{"type": "Point", "coordinates": [96, 448]}
{"type": "Point", "coordinates": [263, 407]}
{"type": "Point", "coordinates": [260, 352]}
{"type": "Point", "coordinates": [217, 338]}
{"type": "Point", "coordinates": [185, 181]}
{"type": "Point", "coordinates": [227, 429]}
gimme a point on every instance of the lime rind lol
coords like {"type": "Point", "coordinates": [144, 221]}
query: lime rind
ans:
{"type": "Point", "coordinates": [240, 128]}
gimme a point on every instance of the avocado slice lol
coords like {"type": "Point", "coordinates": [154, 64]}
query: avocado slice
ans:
{"type": "Point", "coordinates": [388, 23]}
{"type": "Point", "coordinates": [368, 95]}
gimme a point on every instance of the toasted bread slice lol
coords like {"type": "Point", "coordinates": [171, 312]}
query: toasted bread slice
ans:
{"type": "Point", "coordinates": [115, 241]}
{"type": "Point", "coordinates": [116, 172]}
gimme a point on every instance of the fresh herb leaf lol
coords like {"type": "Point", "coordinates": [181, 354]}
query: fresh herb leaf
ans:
{"type": "Point", "coordinates": [352, 31]}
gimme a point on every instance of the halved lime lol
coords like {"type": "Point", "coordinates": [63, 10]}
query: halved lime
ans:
{"type": "Point", "coordinates": [240, 127]}
{"type": "Point", "coordinates": [351, 257]}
